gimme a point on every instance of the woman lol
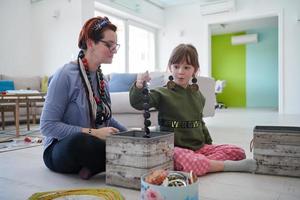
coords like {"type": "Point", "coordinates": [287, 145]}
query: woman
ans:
{"type": "Point", "coordinates": [76, 118]}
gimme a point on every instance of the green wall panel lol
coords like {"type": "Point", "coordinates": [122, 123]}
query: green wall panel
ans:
{"type": "Point", "coordinates": [229, 63]}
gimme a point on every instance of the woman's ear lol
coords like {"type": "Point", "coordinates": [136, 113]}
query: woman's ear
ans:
{"type": "Point", "coordinates": [90, 43]}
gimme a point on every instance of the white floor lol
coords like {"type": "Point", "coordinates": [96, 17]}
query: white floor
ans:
{"type": "Point", "coordinates": [23, 173]}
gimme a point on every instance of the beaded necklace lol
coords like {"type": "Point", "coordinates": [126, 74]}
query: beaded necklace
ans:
{"type": "Point", "coordinates": [103, 106]}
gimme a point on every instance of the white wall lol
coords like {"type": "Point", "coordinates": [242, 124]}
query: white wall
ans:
{"type": "Point", "coordinates": [15, 37]}
{"type": "Point", "coordinates": [55, 38]}
{"type": "Point", "coordinates": [183, 24]}
{"type": "Point", "coordinates": [35, 43]}
{"type": "Point", "coordinates": [195, 30]}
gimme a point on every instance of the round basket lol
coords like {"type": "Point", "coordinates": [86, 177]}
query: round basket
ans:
{"type": "Point", "coordinates": [160, 192]}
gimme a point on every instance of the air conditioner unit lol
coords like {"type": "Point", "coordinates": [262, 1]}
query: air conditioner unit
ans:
{"type": "Point", "coordinates": [244, 39]}
{"type": "Point", "coordinates": [218, 6]}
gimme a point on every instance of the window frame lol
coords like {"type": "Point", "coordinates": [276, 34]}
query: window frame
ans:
{"type": "Point", "coordinates": [127, 23]}
{"type": "Point", "coordinates": [147, 28]}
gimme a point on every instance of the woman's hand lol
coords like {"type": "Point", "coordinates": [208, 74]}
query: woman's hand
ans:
{"type": "Point", "coordinates": [101, 133]}
{"type": "Point", "coordinates": [141, 78]}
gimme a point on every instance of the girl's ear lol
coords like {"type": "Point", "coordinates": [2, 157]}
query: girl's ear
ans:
{"type": "Point", "coordinates": [169, 68]}
{"type": "Point", "coordinates": [196, 72]}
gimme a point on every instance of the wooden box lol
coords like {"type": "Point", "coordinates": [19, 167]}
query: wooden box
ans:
{"type": "Point", "coordinates": [129, 155]}
{"type": "Point", "coordinates": [277, 150]}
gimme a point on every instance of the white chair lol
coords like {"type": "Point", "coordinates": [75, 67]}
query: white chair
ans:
{"type": "Point", "coordinates": [219, 87]}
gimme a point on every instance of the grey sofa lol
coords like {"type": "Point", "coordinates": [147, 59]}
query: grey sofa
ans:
{"type": "Point", "coordinates": [131, 118]}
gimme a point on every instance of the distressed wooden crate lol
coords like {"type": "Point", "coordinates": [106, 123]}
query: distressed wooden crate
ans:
{"type": "Point", "coordinates": [277, 150]}
{"type": "Point", "coordinates": [129, 155]}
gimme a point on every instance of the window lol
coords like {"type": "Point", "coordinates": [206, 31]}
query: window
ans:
{"type": "Point", "coordinates": [139, 47]}
{"type": "Point", "coordinates": [118, 63]}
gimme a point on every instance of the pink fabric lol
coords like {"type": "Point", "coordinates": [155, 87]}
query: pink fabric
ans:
{"type": "Point", "coordinates": [198, 161]}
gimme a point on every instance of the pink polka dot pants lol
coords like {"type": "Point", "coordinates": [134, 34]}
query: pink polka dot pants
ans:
{"type": "Point", "coordinates": [198, 161]}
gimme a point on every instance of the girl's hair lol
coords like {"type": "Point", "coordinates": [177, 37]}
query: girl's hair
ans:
{"type": "Point", "coordinates": [93, 29]}
{"type": "Point", "coordinates": [184, 52]}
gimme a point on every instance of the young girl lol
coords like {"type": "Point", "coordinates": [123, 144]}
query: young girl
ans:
{"type": "Point", "coordinates": [180, 106]}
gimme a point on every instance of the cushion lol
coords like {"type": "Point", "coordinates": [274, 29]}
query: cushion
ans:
{"type": "Point", "coordinates": [44, 83]}
{"type": "Point", "coordinates": [25, 83]}
{"type": "Point", "coordinates": [157, 79]}
{"type": "Point", "coordinates": [121, 82]}
{"type": "Point", "coordinates": [121, 104]}
{"type": "Point", "coordinates": [6, 85]}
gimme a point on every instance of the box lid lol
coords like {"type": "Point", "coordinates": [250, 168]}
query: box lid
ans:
{"type": "Point", "coordinates": [277, 129]}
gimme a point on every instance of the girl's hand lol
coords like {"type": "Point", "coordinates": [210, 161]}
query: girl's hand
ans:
{"type": "Point", "coordinates": [101, 133]}
{"type": "Point", "coordinates": [141, 78]}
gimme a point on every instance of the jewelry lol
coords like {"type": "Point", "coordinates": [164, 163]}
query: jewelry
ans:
{"type": "Point", "coordinates": [103, 112]}
{"type": "Point", "coordinates": [176, 179]}
{"type": "Point", "coordinates": [194, 87]}
{"type": "Point", "coordinates": [171, 84]}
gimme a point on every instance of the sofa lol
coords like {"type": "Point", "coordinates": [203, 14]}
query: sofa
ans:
{"type": "Point", "coordinates": [22, 83]}
{"type": "Point", "coordinates": [132, 118]}
{"type": "Point", "coordinates": [119, 91]}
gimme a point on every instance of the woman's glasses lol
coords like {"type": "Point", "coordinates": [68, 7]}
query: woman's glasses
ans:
{"type": "Point", "coordinates": [111, 46]}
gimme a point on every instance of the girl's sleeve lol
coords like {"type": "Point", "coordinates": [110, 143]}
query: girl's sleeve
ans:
{"type": "Point", "coordinates": [136, 98]}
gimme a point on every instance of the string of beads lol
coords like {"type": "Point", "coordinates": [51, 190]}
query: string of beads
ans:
{"type": "Point", "coordinates": [146, 107]}
{"type": "Point", "coordinates": [102, 114]}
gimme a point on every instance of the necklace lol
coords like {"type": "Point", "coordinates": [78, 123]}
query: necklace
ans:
{"type": "Point", "coordinates": [103, 106]}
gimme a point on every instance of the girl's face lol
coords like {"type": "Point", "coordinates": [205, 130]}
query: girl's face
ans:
{"type": "Point", "coordinates": [104, 50]}
{"type": "Point", "coordinates": [182, 73]}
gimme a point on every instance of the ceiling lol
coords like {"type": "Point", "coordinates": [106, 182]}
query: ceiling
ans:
{"type": "Point", "coordinates": [222, 28]}
{"type": "Point", "coordinates": [168, 3]}
{"type": "Point", "coordinates": [240, 26]}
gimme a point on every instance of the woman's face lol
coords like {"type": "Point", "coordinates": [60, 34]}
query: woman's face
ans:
{"type": "Point", "coordinates": [103, 51]}
{"type": "Point", "coordinates": [182, 73]}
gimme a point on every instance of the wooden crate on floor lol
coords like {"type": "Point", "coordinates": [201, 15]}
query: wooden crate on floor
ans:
{"type": "Point", "coordinates": [277, 150]}
{"type": "Point", "coordinates": [129, 155]}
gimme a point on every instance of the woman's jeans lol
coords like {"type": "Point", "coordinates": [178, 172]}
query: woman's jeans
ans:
{"type": "Point", "coordinates": [74, 152]}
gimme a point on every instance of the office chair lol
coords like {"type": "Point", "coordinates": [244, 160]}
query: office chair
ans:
{"type": "Point", "coordinates": [220, 84]}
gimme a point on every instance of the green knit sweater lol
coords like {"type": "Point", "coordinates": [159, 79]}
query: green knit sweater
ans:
{"type": "Point", "coordinates": [180, 111]}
